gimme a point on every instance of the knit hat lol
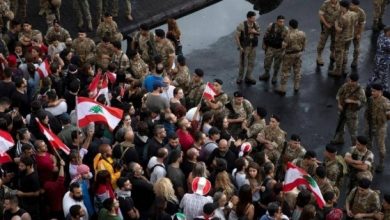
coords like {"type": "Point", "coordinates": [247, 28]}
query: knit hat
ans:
{"type": "Point", "coordinates": [82, 169]}
{"type": "Point", "coordinates": [246, 147]}
{"type": "Point", "coordinates": [201, 186]}
{"type": "Point", "coordinates": [335, 214]}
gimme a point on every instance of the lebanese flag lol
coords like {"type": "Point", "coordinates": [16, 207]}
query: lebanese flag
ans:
{"type": "Point", "coordinates": [55, 141]}
{"type": "Point", "coordinates": [94, 85]}
{"type": "Point", "coordinates": [296, 176]}
{"type": "Point", "coordinates": [88, 110]}
{"type": "Point", "coordinates": [209, 91]}
{"type": "Point", "coordinates": [111, 76]}
{"type": "Point", "coordinates": [6, 141]}
{"type": "Point", "coordinates": [44, 69]}
{"type": "Point", "coordinates": [5, 158]}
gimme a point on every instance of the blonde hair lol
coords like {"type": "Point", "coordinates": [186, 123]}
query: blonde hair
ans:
{"type": "Point", "coordinates": [222, 181]}
{"type": "Point", "coordinates": [173, 27]}
{"type": "Point", "coordinates": [164, 188]}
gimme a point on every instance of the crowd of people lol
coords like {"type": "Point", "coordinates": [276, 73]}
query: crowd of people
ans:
{"type": "Point", "coordinates": [184, 149]}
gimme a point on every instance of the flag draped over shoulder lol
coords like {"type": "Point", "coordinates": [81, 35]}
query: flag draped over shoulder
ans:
{"type": "Point", "coordinates": [209, 91]}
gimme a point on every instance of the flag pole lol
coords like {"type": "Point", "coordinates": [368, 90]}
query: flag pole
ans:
{"type": "Point", "coordinates": [78, 129]}
{"type": "Point", "coordinates": [201, 98]}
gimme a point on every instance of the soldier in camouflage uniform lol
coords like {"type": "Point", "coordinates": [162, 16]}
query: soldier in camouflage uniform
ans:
{"type": "Point", "coordinates": [138, 68]}
{"type": "Point", "coordinates": [5, 13]}
{"type": "Point", "coordinates": [109, 28]}
{"type": "Point", "coordinates": [164, 48]}
{"type": "Point", "coordinates": [345, 32]}
{"type": "Point", "coordinates": [295, 45]}
{"type": "Point", "coordinates": [329, 12]}
{"type": "Point", "coordinates": [241, 111]}
{"type": "Point", "coordinates": [335, 166]}
{"type": "Point", "coordinates": [19, 8]}
{"type": "Point", "coordinates": [181, 74]}
{"type": "Point", "coordinates": [119, 57]}
{"type": "Point", "coordinates": [27, 34]}
{"type": "Point", "coordinates": [324, 183]}
{"type": "Point", "coordinates": [362, 202]}
{"type": "Point", "coordinates": [309, 162]}
{"type": "Point", "coordinates": [104, 52]}
{"type": "Point", "coordinates": [143, 42]}
{"type": "Point", "coordinates": [272, 138]}
{"type": "Point", "coordinates": [379, 10]}
{"type": "Point", "coordinates": [217, 105]}
{"type": "Point", "coordinates": [56, 32]}
{"type": "Point", "coordinates": [385, 212]}
{"type": "Point", "coordinates": [81, 8]}
{"type": "Point", "coordinates": [247, 40]}
{"type": "Point", "coordinates": [255, 125]}
{"type": "Point", "coordinates": [359, 29]}
{"type": "Point", "coordinates": [350, 98]}
{"type": "Point", "coordinates": [360, 161]}
{"type": "Point", "coordinates": [294, 149]}
{"type": "Point", "coordinates": [196, 88]}
{"type": "Point", "coordinates": [101, 8]}
{"type": "Point", "coordinates": [273, 44]}
{"type": "Point", "coordinates": [376, 115]}
{"type": "Point", "coordinates": [84, 47]}
{"type": "Point", "coordinates": [127, 5]}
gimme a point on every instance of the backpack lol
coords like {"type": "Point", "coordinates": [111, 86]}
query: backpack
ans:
{"type": "Point", "coordinates": [273, 38]}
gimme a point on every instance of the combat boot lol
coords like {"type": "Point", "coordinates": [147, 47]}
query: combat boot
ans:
{"type": "Point", "coordinates": [80, 24]}
{"type": "Point", "coordinates": [379, 168]}
{"type": "Point", "coordinates": [354, 64]}
{"type": "Point", "coordinates": [89, 25]}
{"type": "Point", "coordinates": [320, 61]}
{"type": "Point", "coordinates": [250, 81]}
{"type": "Point", "coordinates": [335, 73]}
{"type": "Point", "coordinates": [296, 87]}
{"type": "Point", "coordinates": [264, 77]}
{"type": "Point", "coordinates": [281, 90]}
{"type": "Point", "coordinates": [274, 78]}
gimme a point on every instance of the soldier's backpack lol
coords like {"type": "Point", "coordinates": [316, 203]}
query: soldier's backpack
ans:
{"type": "Point", "coordinates": [151, 46]}
{"type": "Point", "coordinates": [273, 38]}
{"type": "Point", "coordinates": [245, 39]}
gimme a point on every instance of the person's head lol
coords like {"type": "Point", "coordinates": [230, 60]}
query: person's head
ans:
{"type": "Point", "coordinates": [75, 191]}
{"type": "Point", "coordinates": [222, 181]}
{"type": "Point", "coordinates": [162, 153]}
{"type": "Point", "coordinates": [238, 98]}
{"type": "Point", "coordinates": [361, 143]}
{"type": "Point", "coordinates": [26, 26]}
{"type": "Point", "coordinates": [136, 169]}
{"type": "Point", "coordinates": [376, 90]}
{"type": "Point", "coordinates": [159, 131]}
{"type": "Point", "coordinates": [198, 75]}
{"type": "Point", "coordinates": [274, 210]}
{"type": "Point", "coordinates": [208, 209]}
{"type": "Point", "coordinates": [269, 168]}
{"type": "Point", "coordinates": [105, 150]}
{"type": "Point", "coordinates": [308, 212]}
{"type": "Point", "coordinates": [220, 199]}
{"type": "Point", "coordinates": [172, 24]}
{"type": "Point", "coordinates": [321, 172]}
{"type": "Point", "coordinates": [128, 135]}
{"type": "Point", "coordinates": [241, 164]}
{"type": "Point", "coordinates": [251, 16]}
{"type": "Point", "coordinates": [27, 150]}
{"type": "Point", "coordinates": [274, 121]}
{"type": "Point", "coordinates": [56, 25]}
{"type": "Point", "coordinates": [144, 29]}
{"type": "Point", "coordinates": [293, 24]}
{"type": "Point", "coordinates": [103, 177]}
{"type": "Point", "coordinates": [199, 170]}
{"type": "Point", "coordinates": [178, 93]}
{"type": "Point", "coordinates": [21, 83]}
{"type": "Point", "coordinates": [310, 157]}
{"type": "Point", "coordinates": [41, 146]}
{"type": "Point", "coordinates": [76, 211]}
{"type": "Point", "coordinates": [218, 85]}
{"type": "Point", "coordinates": [214, 133]}
{"type": "Point", "coordinates": [110, 203]}
{"type": "Point", "coordinates": [295, 141]}
{"type": "Point", "coordinates": [192, 154]}
{"type": "Point", "coordinates": [245, 194]}
{"type": "Point", "coordinates": [386, 30]}
{"type": "Point", "coordinates": [280, 20]}
{"type": "Point", "coordinates": [386, 201]}
{"type": "Point", "coordinates": [176, 156]}
{"type": "Point", "coordinates": [200, 138]}
{"type": "Point", "coordinates": [15, 25]}
{"type": "Point", "coordinates": [353, 78]}
{"type": "Point", "coordinates": [303, 198]}
{"type": "Point", "coordinates": [124, 184]}
{"type": "Point", "coordinates": [10, 202]}
{"type": "Point", "coordinates": [5, 103]}
{"type": "Point", "coordinates": [160, 34]}
{"type": "Point", "coordinates": [363, 186]}
{"type": "Point", "coordinates": [330, 197]}
{"type": "Point", "coordinates": [107, 17]}
{"type": "Point", "coordinates": [26, 164]}
{"type": "Point", "coordinates": [253, 170]}
{"type": "Point", "coordinates": [7, 73]}
{"type": "Point", "coordinates": [260, 113]}
{"type": "Point", "coordinates": [164, 188]}
{"type": "Point", "coordinates": [330, 151]}
{"type": "Point", "coordinates": [223, 145]}
{"type": "Point", "coordinates": [82, 34]}
{"type": "Point", "coordinates": [344, 5]}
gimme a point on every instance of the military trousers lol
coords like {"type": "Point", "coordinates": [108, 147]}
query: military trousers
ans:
{"type": "Point", "coordinates": [115, 7]}
{"type": "Point", "coordinates": [379, 9]}
{"type": "Point", "coordinates": [356, 49]}
{"type": "Point", "coordinates": [19, 8]}
{"type": "Point", "coordinates": [294, 62]}
{"type": "Point", "coordinates": [81, 8]}
{"type": "Point", "coordinates": [101, 8]}
{"type": "Point", "coordinates": [377, 138]}
{"type": "Point", "coordinates": [275, 56]}
{"type": "Point", "coordinates": [247, 62]}
{"type": "Point", "coordinates": [341, 55]}
{"type": "Point", "coordinates": [325, 34]}
{"type": "Point", "coordinates": [352, 123]}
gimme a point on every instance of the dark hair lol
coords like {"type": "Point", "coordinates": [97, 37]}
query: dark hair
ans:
{"type": "Point", "coordinates": [75, 134]}
{"type": "Point", "coordinates": [7, 72]}
{"type": "Point", "coordinates": [25, 147]}
{"type": "Point", "coordinates": [240, 164]}
{"type": "Point", "coordinates": [176, 90]}
{"type": "Point", "coordinates": [174, 156]}
{"type": "Point", "coordinates": [74, 210]}
{"type": "Point", "coordinates": [310, 154]}
{"type": "Point", "coordinates": [250, 14]}
{"type": "Point", "coordinates": [321, 172]}
{"type": "Point", "coordinates": [19, 82]}
{"type": "Point", "coordinates": [245, 198]}
{"type": "Point", "coordinates": [268, 168]}
{"type": "Point", "coordinates": [121, 182]}
{"type": "Point", "coordinates": [74, 85]}
{"type": "Point", "coordinates": [161, 152]}
{"type": "Point", "coordinates": [51, 94]}
{"type": "Point", "coordinates": [181, 60]}
{"type": "Point", "coordinates": [156, 128]}
{"type": "Point", "coordinates": [102, 177]}
{"type": "Point", "coordinates": [108, 203]}
{"type": "Point", "coordinates": [28, 161]}
{"type": "Point", "coordinates": [328, 196]}
{"type": "Point", "coordinates": [280, 17]}
{"type": "Point", "coordinates": [276, 117]}
{"type": "Point", "coordinates": [198, 136]}
{"type": "Point", "coordinates": [73, 186]}
{"type": "Point", "coordinates": [117, 44]}
{"type": "Point", "coordinates": [144, 27]}
{"type": "Point", "coordinates": [5, 100]}
{"type": "Point", "coordinates": [272, 208]}
{"type": "Point", "coordinates": [293, 23]}
{"type": "Point", "coordinates": [160, 33]}
{"type": "Point", "coordinates": [172, 136]}
{"type": "Point", "coordinates": [213, 131]}
{"type": "Point", "coordinates": [308, 212]}
{"type": "Point", "coordinates": [362, 140]}
{"type": "Point", "coordinates": [303, 198]}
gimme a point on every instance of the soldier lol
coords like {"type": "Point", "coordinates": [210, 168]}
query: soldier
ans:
{"type": "Point", "coordinates": [196, 88]}
{"type": "Point", "coordinates": [220, 99]}
{"type": "Point", "coordinates": [143, 42]}
{"type": "Point", "coordinates": [324, 183]}
{"type": "Point", "coordinates": [329, 12]}
{"type": "Point", "coordinates": [335, 166]}
{"type": "Point", "coordinates": [247, 40]}
{"type": "Point", "coordinates": [81, 8]}
{"type": "Point", "coordinates": [294, 149]}
{"type": "Point", "coordinates": [295, 45]}
{"type": "Point", "coordinates": [5, 14]}
{"type": "Point", "coordinates": [272, 138]}
{"type": "Point", "coordinates": [56, 32]}
{"type": "Point", "coordinates": [84, 47]}
{"type": "Point", "coordinates": [385, 212]}
{"type": "Point", "coordinates": [27, 34]}
{"type": "Point", "coordinates": [309, 162]}
{"type": "Point", "coordinates": [101, 8]}
{"type": "Point", "coordinates": [360, 161]}
{"type": "Point", "coordinates": [350, 98]}
{"type": "Point", "coordinates": [138, 68]}
{"type": "Point", "coordinates": [104, 52]}
{"type": "Point", "coordinates": [164, 48]}
{"type": "Point", "coordinates": [382, 60]}
{"type": "Point", "coordinates": [345, 32]}
{"type": "Point", "coordinates": [44, 7]}
{"type": "Point", "coordinates": [119, 57]}
{"type": "Point", "coordinates": [362, 202]}
{"type": "Point", "coordinates": [376, 115]}
{"type": "Point", "coordinates": [359, 29]}
{"type": "Point", "coordinates": [127, 5]}
{"type": "Point", "coordinates": [109, 28]}
{"type": "Point", "coordinates": [273, 44]}
{"type": "Point", "coordinates": [19, 8]}
{"type": "Point", "coordinates": [242, 110]}
{"type": "Point", "coordinates": [181, 74]}
{"type": "Point", "coordinates": [254, 126]}
{"type": "Point", "coordinates": [379, 10]}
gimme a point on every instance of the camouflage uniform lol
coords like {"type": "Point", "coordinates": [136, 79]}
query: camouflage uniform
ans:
{"type": "Point", "coordinates": [182, 78]}
{"type": "Point", "coordinates": [85, 49]}
{"type": "Point", "coordinates": [115, 8]}
{"type": "Point", "coordinates": [379, 10]}
{"type": "Point", "coordinates": [101, 8]}
{"type": "Point", "coordinates": [272, 54]}
{"type": "Point", "coordinates": [165, 49]}
{"type": "Point", "coordinates": [110, 30]}
{"type": "Point", "coordinates": [145, 46]}
{"type": "Point", "coordinates": [52, 35]}
{"type": "Point", "coordinates": [309, 168]}
{"type": "Point", "coordinates": [386, 214]}
{"type": "Point", "coordinates": [345, 32]}
{"type": "Point", "coordinates": [19, 8]}
{"type": "Point", "coordinates": [382, 62]}
{"type": "Point", "coordinates": [335, 170]}
{"type": "Point", "coordinates": [81, 8]}
{"type": "Point", "coordinates": [291, 154]}
{"type": "Point", "coordinates": [5, 13]}
{"type": "Point", "coordinates": [28, 36]}
{"type": "Point", "coordinates": [253, 130]}
{"type": "Point", "coordinates": [369, 203]}
{"type": "Point", "coordinates": [243, 111]}
{"type": "Point", "coordinates": [295, 44]}
{"type": "Point", "coordinates": [248, 56]}
{"type": "Point", "coordinates": [354, 92]}
{"type": "Point", "coordinates": [122, 61]}
{"type": "Point", "coordinates": [367, 158]}
{"type": "Point", "coordinates": [139, 69]}
{"type": "Point", "coordinates": [277, 136]}
{"type": "Point", "coordinates": [331, 13]}
{"type": "Point", "coordinates": [221, 99]}
{"type": "Point", "coordinates": [104, 54]}
{"type": "Point", "coordinates": [375, 116]}
{"type": "Point", "coordinates": [194, 95]}
{"type": "Point", "coordinates": [325, 185]}
{"type": "Point", "coordinates": [361, 17]}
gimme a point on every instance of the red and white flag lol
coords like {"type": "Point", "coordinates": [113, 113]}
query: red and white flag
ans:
{"type": "Point", "coordinates": [5, 158]}
{"type": "Point", "coordinates": [209, 91]}
{"type": "Point", "coordinates": [296, 176]}
{"type": "Point", "coordinates": [88, 110]}
{"type": "Point", "coordinates": [99, 85]}
{"type": "Point", "coordinates": [6, 141]}
{"type": "Point", "coordinates": [44, 69]}
{"type": "Point", "coordinates": [111, 76]}
{"type": "Point", "coordinates": [55, 141]}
